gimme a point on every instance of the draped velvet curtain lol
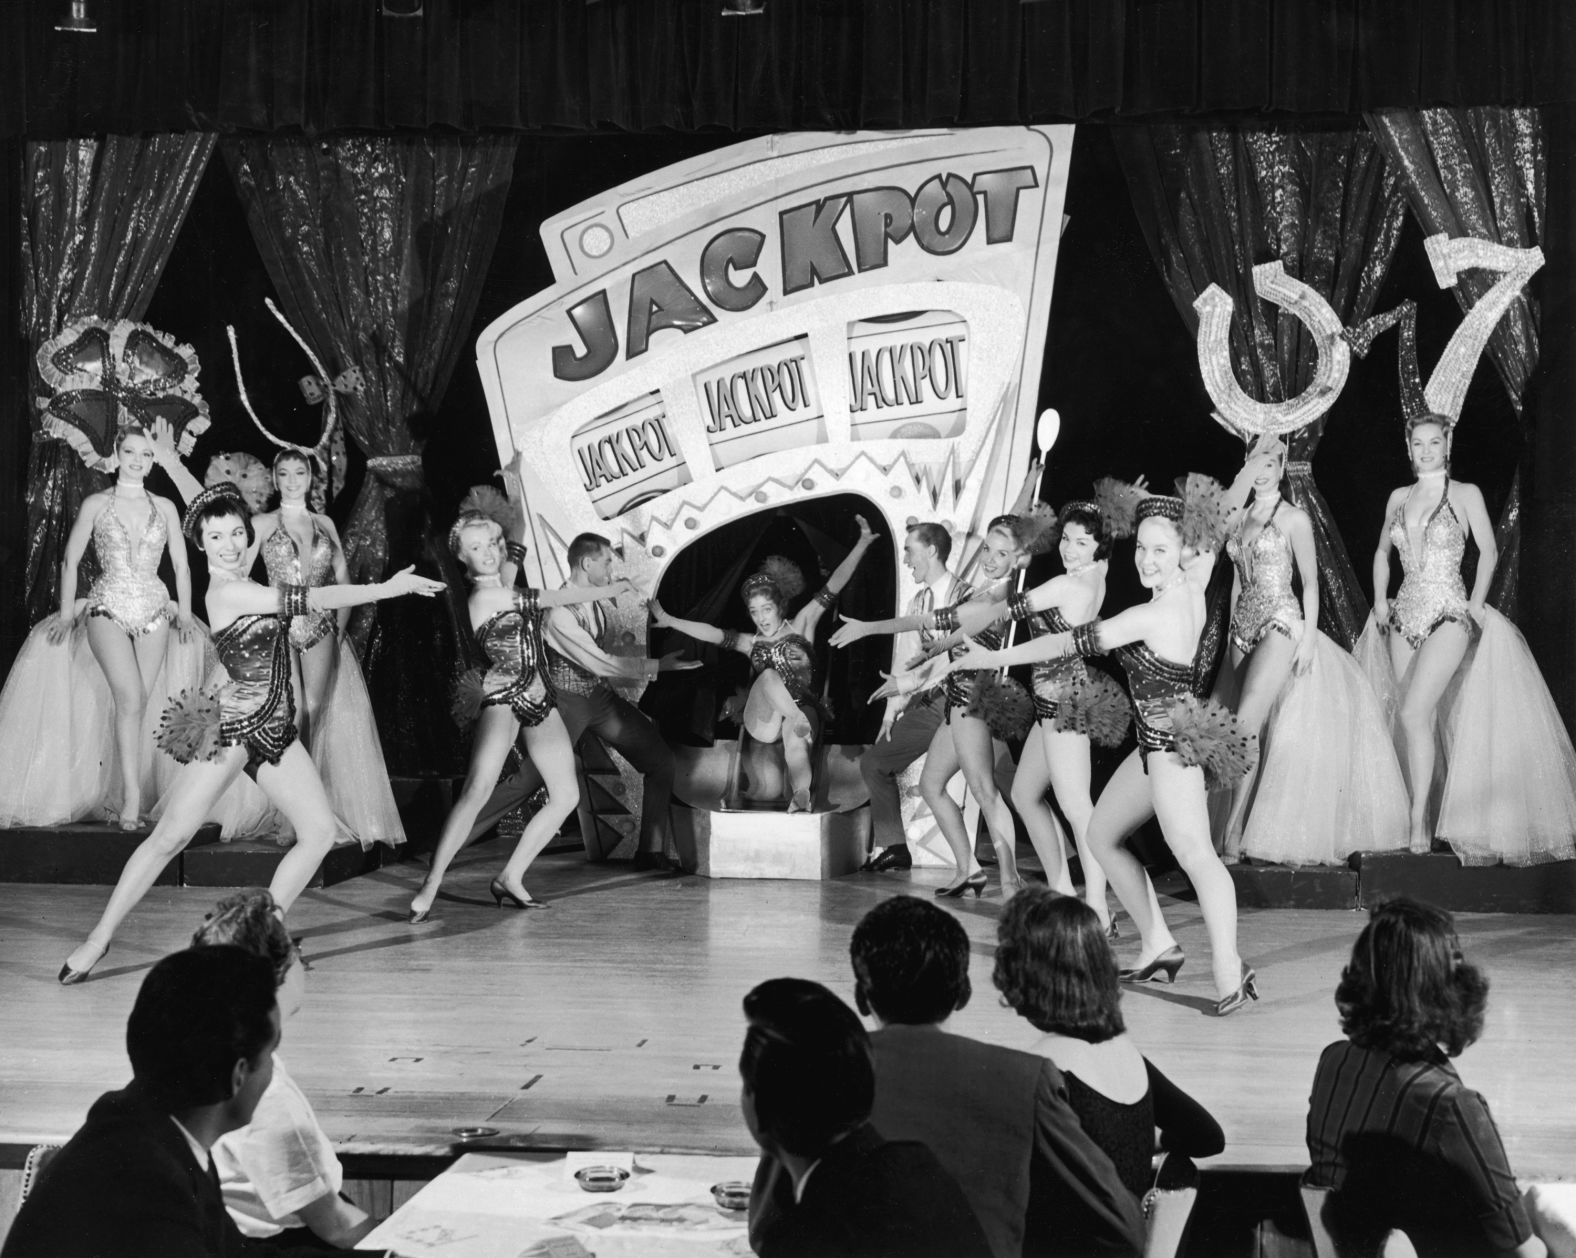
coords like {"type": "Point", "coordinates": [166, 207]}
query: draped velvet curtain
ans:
{"type": "Point", "coordinates": [1214, 201]}
{"type": "Point", "coordinates": [378, 247]}
{"type": "Point", "coordinates": [1481, 172]}
{"type": "Point", "coordinates": [99, 220]}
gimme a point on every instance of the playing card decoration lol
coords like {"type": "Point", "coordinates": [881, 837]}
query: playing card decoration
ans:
{"type": "Point", "coordinates": [104, 375]}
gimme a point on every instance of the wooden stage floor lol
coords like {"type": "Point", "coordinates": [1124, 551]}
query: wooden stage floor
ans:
{"type": "Point", "coordinates": [613, 1020]}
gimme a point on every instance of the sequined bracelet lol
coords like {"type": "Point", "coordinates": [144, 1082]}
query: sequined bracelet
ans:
{"type": "Point", "coordinates": [1018, 607]}
{"type": "Point", "coordinates": [528, 599]}
{"type": "Point", "coordinates": [946, 619]}
{"type": "Point", "coordinates": [730, 639]}
{"type": "Point", "coordinates": [826, 598]}
{"type": "Point", "coordinates": [515, 551]}
{"type": "Point", "coordinates": [1086, 639]}
{"type": "Point", "coordinates": [292, 600]}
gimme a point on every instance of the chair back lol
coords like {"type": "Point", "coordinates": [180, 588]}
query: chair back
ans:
{"type": "Point", "coordinates": [1168, 1206]}
{"type": "Point", "coordinates": [1396, 1245]}
{"type": "Point", "coordinates": [38, 1157]}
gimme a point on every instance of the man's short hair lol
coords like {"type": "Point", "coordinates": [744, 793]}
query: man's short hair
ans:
{"type": "Point", "coordinates": [586, 546]}
{"type": "Point", "coordinates": [929, 533]}
{"type": "Point", "coordinates": [807, 1065]}
{"type": "Point", "coordinates": [197, 1014]}
{"type": "Point", "coordinates": [911, 962]}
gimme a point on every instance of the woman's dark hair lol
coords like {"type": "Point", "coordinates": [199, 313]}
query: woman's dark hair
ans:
{"type": "Point", "coordinates": [291, 455]}
{"type": "Point", "coordinates": [221, 505]}
{"type": "Point", "coordinates": [1407, 989]}
{"type": "Point", "coordinates": [248, 920]}
{"type": "Point", "coordinates": [1082, 513]}
{"type": "Point", "coordinates": [1054, 967]}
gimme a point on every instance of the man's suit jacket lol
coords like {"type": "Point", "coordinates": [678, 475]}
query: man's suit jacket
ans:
{"type": "Point", "coordinates": [999, 1122]}
{"type": "Point", "coordinates": [125, 1186]}
{"type": "Point", "coordinates": [873, 1198]}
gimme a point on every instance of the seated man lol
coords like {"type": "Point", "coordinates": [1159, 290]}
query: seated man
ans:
{"type": "Point", "coordinates": [137, 1179]}
{"type": "Point", "coordinates": [998, 1119]}
{"type": "Point", "coordinates": [808, 1087]}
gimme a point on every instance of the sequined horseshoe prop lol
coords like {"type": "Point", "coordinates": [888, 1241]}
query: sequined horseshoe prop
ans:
{"type": "Point", "coordinates": [1234, 408]}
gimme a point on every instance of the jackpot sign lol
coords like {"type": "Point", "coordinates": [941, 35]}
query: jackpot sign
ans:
{"type": "Point", "coordinates": [794, 316]}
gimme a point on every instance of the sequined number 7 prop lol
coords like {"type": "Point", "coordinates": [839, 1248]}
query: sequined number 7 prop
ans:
{"type": "Point", "coordinates": [1234, 408]}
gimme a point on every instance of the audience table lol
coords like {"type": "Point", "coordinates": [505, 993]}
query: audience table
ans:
{"type": "Point", "coordinates": [528, 1205]}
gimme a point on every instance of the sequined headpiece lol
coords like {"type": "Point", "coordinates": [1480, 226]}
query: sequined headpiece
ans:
{"type": "Point", "coordinates": [1159, 504]}
{"type": "Point", "coordinates": [224, 490]}
{"type": "Point", "coordinates": [1080, 504]}
{"type": "Point", "coordinates": [467, 519]}
{"type": "Point", "coordinates": [759, 583]}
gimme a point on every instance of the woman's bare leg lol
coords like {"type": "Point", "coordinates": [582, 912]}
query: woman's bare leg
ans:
{"type": "Point", "coordinates": [195, 790]}
{"type": "Point", "coordinates": [296, 790]}
{"type": "Point", "coordinates": [1067, 760]}
{"type": "Point", "coordinates": [1029, 785]}
{"type": "Point", "coordinates": [549, 748]}
{"type": "Point", "coordinates": [770, 708]}
{"type": "Point", "coordinates": [130, 666]}
{"type": "Point", "coordinates": [496, 728]}
{"type": "Point", "coordinates": [1123, 806]}
{"type": "Point", "coordinates": [319, 663]}
{"type": "Point", "coordinates": [941, 765]}
{"type": "Point", "coordinates": [1267, 671]}
{"type": "Point", "coordinates": [1436, 663]}
{"type": "Point", "coordinates": [971, 738]}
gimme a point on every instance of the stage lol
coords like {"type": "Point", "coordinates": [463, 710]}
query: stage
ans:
{"type": "Point", "coordinates": [613, 1019]}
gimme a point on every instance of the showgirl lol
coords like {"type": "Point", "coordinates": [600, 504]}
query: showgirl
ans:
{"type": "Point", "coordinates": [516, 700]}
{"type": "Point", "coordinates": [1159, 644]}
{"type": "Point", "coordinates": [784, 703]}
{"type": "Point", "coordinates": [245, 726]}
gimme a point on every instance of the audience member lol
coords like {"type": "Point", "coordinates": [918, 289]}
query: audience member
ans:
{"type": "Point", "coordinates": [137, 1179]}
{"type": "Point", "coordinates": [279, 1173]}
{"type": "Point", "coordinates": [996, 1118]}
{"type": "Point", "coordinates": [1054, 966]}
{"type": "Point", "coordinates": [808, 1088]}
{"type": "Point", "coordinates": [1392, 1131]}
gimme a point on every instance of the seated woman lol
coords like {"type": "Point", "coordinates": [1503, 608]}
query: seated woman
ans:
{"type": "Point", "coordinates": [784, 701]}
{"type": "Point", "coordinates": [279, 1173]}
{"type": "Point", "coordinates": [1054, 967]}
{"type": "Point", "coordinates": [1392, 1131]}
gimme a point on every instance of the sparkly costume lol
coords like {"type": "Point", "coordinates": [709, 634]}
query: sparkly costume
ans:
{"type": "Point", "coordinates": [1432, 592]}
{"type": "Point", "coordinates": [1155, 684]}
{"type": "Point", "coordinates": [793, 658]}
{"type": "Point", "coordinates": [257, 707]}
{"type": "Point", "coordinates": [129, 591]}
{"type": "Point", "coordinates": [284, 564]}
{"type": "Point", "coordinates": [1328, 783]}
{"type": "Point", "coordinates": [512, 641]}
{"type": "Point", "coordinates": [1051, 678]}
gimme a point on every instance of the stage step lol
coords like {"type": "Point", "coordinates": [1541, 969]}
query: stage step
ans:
{"type": "Point", "coordinates": [251, 863]}
{"type": "Point", "coordinates": [90, 854]}
{"type": "Point", "coordinates": [1439, 878]}
{"type": "Point", "coordinates": [1262, 886]}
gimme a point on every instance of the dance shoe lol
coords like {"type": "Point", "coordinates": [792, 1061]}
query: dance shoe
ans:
{"type": "Point", "coordinates": [1247, 990]}
{"type": "Point", "coordinates": [500, 893]}
{"type": "Point", "coordinates": [1166, 964]}
{"type": "Point", "coordinates": [69, 977]}
{"type": "Point", "coordinates": [974, 883]}
{"type": "Point", "coordinates": [895, 857]}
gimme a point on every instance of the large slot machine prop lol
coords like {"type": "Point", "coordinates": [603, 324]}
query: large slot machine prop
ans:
{"type": "Point", "coordinates": [796, 316]}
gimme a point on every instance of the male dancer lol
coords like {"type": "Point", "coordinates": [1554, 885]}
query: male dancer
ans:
{"type": "Point", "coordinates": [580, 667]}
{"type": "Point", "coordinates": [911, 718]}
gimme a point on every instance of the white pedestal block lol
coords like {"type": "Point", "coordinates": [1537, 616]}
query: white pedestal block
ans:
{"type": "Point", "coordinates": [803, 845]}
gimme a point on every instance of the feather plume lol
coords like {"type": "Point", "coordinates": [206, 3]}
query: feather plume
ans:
{"type": "Point", "coordinates": [1210, 736]}
{"type": "Point", "coordinates": [246, 472]}
{"type": "Point", "coordinates": [1003, 704]}
{"type": "Point", "coordinates": [1203, 511]}
{"type": "Point", "coordinates": [189, 728]}
{"type": "Point", "coordinates": [465, 699]}
{"type": "Point", "coordinates": [1044, 529]}
{"type": "Point", "coordinates": [1094, 705]}
{"type": "Point", "coordinates": [786, 575]}
{"type": "Point", "coordinates": [1117, 502]}
{"type": "Point", "coordinates": [495, 506]}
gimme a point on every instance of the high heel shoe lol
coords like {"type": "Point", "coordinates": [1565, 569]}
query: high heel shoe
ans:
{"type": "Point", "coordinates": [69, 977]}
{"type": "Point", "coordinates": [500, 893]}
{"type": "Point", "coordinates": [418, 916]}
{"type": "Point", "coordinates": [974, 883]}
{"type": "Point", "coordinates": [1247, 990]}
{"type": "Point", "coordinates": [1167, 963]}
{"type": "Point", "coordinates": [1111, 931]}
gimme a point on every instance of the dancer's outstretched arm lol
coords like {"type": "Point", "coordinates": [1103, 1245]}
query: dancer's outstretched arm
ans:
{"type": "Point", "coordinates": [810, 614]}
{"type": "Point", "coordinates": [572, 594]}
{"type": "Point", "coordinates": [700, 631]}
{"type": "Point", "coordinates": [247, 598]}
{"type": "Point", "coordinates": [1132, 625]}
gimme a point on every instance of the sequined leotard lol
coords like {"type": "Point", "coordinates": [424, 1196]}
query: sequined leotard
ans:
{"type": "Point", "coordinates": [515, 677]}
{"type": "Point", "coordinates": [1156, 684]}
{"type": "Point", "coordinates": [1432, 591]}
{"type": "Point", "coordinates": [283, 562]}
{"type": "Point", "coordinates": [256, 708]}
{"type": "Point", "coordinates": [129, 591]}
{"type": "Point", "coordinates": [1266, 603]}
{"type": "Point", "coordinates": [1050, 678]}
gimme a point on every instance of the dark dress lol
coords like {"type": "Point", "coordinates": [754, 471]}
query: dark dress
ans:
{"type": "Point", "coordinates": [516, 679]}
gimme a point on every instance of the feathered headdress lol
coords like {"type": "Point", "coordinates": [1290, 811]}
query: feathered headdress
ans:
{"type": "Point", "coordinates": [1197, 510]}
{"type": "Point", "coordinates": [775, 573]}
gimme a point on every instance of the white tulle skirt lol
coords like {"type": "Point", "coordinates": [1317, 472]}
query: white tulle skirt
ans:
{"type": "Point", "coordinates": [57, 729]}
{"type": "Point", "coordinates": [1504, 787]}
{"type": "Point", "coordinates": [1327, 782]}
{"type": "Point", "coordinates": [349, 758]}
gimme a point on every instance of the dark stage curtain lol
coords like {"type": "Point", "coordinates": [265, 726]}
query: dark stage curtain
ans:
{"type": "Point", "coordinates": [378, 247]}
{"type": "Point", "coordinates": [1481, 172]}
{"type": "Point", "coordinates": [323, 65]}
{"type": "Point", "coordinates": [1215, 201]}
{"type": "Point", "coordinates": [98, 223]}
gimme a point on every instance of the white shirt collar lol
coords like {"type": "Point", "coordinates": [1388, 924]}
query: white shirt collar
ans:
{"type": "Point", "coordinates": [798, 1184]}
{"type": "Point", "coordinates": [199, 1150]}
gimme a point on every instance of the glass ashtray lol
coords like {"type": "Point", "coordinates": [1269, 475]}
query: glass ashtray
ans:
{"type": "Point", "coordinates": [601, 1178]}
{"type": "Point", "coordinates": [733, 1194]}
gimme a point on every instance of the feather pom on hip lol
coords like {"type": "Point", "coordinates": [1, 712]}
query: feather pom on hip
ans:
{"type": "Point", "coordinates": [1117, 501]}
{"type": "Point", "coordinates": [1004, 705]}
{"type": "Point", "coordinates": [1210, 736]}
{"type": "Point", "coordinates": [1095, 706]}
{"type": "Point", "coordinates": [189, 728]}
{"type": "Point", "coordinates": [495, 506]}
{"type": "Point", "coordinates": [1203, 511]}
{"type": "Point", "coordinates": [465, 699]}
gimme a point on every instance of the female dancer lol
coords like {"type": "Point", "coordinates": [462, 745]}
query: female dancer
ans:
{"type": "Point", "coordinates": [128, 606]}
{"type": "Point", "coordinates": [1510, 785]}
{"type": "Point", "coordinates": [784, 701]}
{"type": "Point", "coordinates": [1158, 644]}
{"type": "Point", "coordinates": [517, 701]}
{"type": "Point", "coordinates": [964, 741]}
{"type": "Point", "coordinates": [248, 726]}
{"type": "Point", "coordinates": [1327, 783]}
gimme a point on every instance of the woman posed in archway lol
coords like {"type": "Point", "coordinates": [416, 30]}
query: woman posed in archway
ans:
{"type": "Point", "coordinates": [247, 725]}
{"type": "Point", "coordinates": [784, 703]}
